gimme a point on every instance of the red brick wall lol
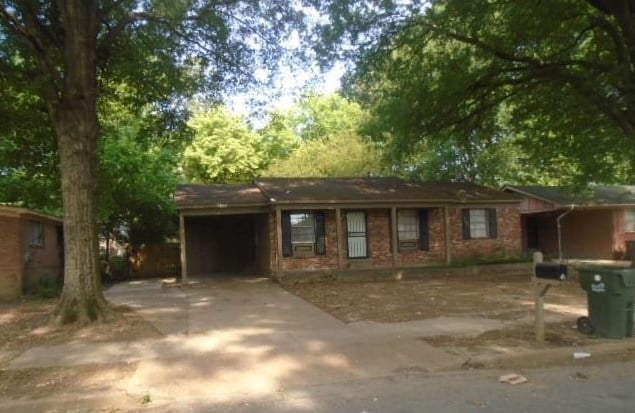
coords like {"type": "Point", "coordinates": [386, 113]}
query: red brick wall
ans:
{"type": "Point", "coordinates": [508, 242]}
{"type": "Point", "coordinates": [379, 242]}
{"type": "Point", "coordinates": [10, 258]}
{"type": "Point", "coordinates": [436, 253]}
{"type": "Point", "coordinates": [41, 262]}
{"type": "Point", "coordinates": [317, 262]}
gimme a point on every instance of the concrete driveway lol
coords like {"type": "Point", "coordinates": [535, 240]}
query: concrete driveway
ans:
{"type": "Point", "coordinates": [248, 337]}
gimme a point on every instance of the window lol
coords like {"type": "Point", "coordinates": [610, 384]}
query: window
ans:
{"type": "Point", "coordinates": [302, 228]}
{"type": "Point", "coordinates": [479, 223]}
{"type": "Point", "coordinates": [303, 233]}
{"type": "Point", "coordinates": [412, 229]}
{"type": "Point", "coordinates": [356, 232]}
{"type": "Point", "coordinates": [36, 234]}
{"type": "Point", "coordinates": [629, 220]}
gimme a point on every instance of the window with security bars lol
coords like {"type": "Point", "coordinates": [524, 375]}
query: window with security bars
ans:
{"type": "Point", "coordinates": [356, 233]}
{"type": "Point", "coordinates": [629, 220]}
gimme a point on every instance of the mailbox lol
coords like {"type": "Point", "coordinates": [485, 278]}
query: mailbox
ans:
{"type": "Point", "coordinates": [551, 271]}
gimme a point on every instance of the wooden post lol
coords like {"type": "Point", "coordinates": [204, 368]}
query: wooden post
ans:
{"type": "Point", "coordinates": [183, 249]}
{"type": "Point", "coordinates": [340, 243]}
{"type": "Point", "coordinates": [448, 240]}
{"type": "Point", "coordinates": [393, 237]}
{"type": "Point", "coordinates": [540, 290]}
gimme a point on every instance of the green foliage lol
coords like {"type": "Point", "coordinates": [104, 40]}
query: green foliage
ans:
{"type": "Point", "coordinates": [337, 155]}
{"type": "Point", "coordinates": [138, 178]}
{"type": "Point", "coordinates": [327, 140]}
{"type": "Point", "coordinates": [553, 82]}
{"type": "Point", "coordinates": [224, 149]}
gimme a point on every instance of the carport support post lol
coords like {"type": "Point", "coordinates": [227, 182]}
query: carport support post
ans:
{"type": "Point", "coordinates": [279, 239]}
{"type": "Point", "coordinates": [183, 252]}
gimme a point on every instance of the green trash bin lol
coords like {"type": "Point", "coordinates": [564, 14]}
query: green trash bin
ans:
{"type": "Point", "coordinates": [610, 294]}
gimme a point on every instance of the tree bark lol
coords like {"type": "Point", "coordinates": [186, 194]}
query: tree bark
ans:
{"type": "Point", "coordinates": [74, 116]}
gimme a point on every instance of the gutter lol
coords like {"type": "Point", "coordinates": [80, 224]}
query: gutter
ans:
{"type": "Point", "coordinates": [558, 222]}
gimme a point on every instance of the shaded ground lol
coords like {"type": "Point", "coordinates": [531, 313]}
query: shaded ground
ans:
{"type": "Point", "coordinates": [25, 324]}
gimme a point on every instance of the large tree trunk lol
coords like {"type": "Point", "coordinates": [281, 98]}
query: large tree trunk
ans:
{"type": "Point", "coordinates": [74, 117]}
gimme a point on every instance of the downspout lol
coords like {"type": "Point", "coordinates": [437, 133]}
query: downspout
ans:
{"type": "Point", "coordinates": [560, 232]}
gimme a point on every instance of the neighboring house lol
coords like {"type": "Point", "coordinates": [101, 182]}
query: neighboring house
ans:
{"type": "Point", "coordinates": [598, 224]}
{"type": "Point", "coordinates": [286, 226]}
{"type": "Point", "coordinates": [31, 250]}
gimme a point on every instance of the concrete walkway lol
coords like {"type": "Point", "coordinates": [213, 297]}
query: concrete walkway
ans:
{"type": "Point", "coordinates": [235, 338]}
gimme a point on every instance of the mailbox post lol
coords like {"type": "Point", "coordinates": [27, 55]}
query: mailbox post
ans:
{"type": "Point", "coordinates": [545, 275]}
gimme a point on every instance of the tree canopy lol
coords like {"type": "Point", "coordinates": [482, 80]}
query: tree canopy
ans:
{"type": "Point", "coordinates": [224, 150]}
{"type": "Point", "coordinates": [555, 78]}
{"type": "Point", "coordinates": [65, 57]}
{"type": "Point", "coordinates": [327, 140]}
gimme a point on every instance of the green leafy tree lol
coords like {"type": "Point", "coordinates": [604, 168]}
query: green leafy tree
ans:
{"type": "Point", "coordinates": [224, 149]}
{"type": "Point", "coordinates": [337, 155]}
{"type": "Point", "coordinates": [557, 78]}
{"type": "Point", "coordinates": [326, 127]}
{"type": "Point", "coordinates": [69, 54]}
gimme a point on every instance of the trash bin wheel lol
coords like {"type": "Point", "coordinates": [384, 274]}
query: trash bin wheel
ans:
{"type": "Point", "coordinates": [585, 326]}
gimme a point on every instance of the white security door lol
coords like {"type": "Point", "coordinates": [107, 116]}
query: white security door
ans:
{"type": "Point", "coordinates": [356, 230]}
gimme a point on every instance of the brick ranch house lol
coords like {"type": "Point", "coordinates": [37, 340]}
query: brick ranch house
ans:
{"type": "Point", "coordinates": [291, 227]}
{"type": "Point", "coordinates": [31, 250]}
{"type": "Point", "coordinates": [598, 224]}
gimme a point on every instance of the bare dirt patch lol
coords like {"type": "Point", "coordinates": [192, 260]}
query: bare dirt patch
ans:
{"type": "Point", "coordinates": [498, 297]}
{"type": "Point", "coordinates": [510, 299]}
{"type": "Point", "coordinates": [25, 324]}
{"type": "Point", "coordinates": [40, 383]}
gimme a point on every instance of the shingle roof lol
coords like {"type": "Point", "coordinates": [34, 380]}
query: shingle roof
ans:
{"type": "Point", "coordinates": [594, 196]}
{"type": "Point", "coordinates": [19, 211]}
{"type": "Point", "coordinates": [217, 195]}
{"type": "Point", "coordinates": [267, 191]}
{"type": "Point", "coordinates": [301, 190]}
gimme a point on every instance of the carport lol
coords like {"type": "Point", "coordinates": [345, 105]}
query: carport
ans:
{"type": "Point", "coordinates": [223, 231]}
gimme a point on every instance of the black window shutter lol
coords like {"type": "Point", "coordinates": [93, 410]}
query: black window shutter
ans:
{"type": "Point", "coordinates": [424, 231]}
{"type": "Point", "coordinates": [491, 221]}
{"type": "Point", "coordinates": [287, 248]}
{"type": "Point", "coordinates": [320, 241]}
{"type": "Point", "coordinates": [466, 223]}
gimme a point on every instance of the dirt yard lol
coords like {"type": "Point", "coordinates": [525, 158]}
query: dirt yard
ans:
{"type": "Point", "coordinates": [24, 324]}
{"type": "Point", "coordinates": [496, 297]}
